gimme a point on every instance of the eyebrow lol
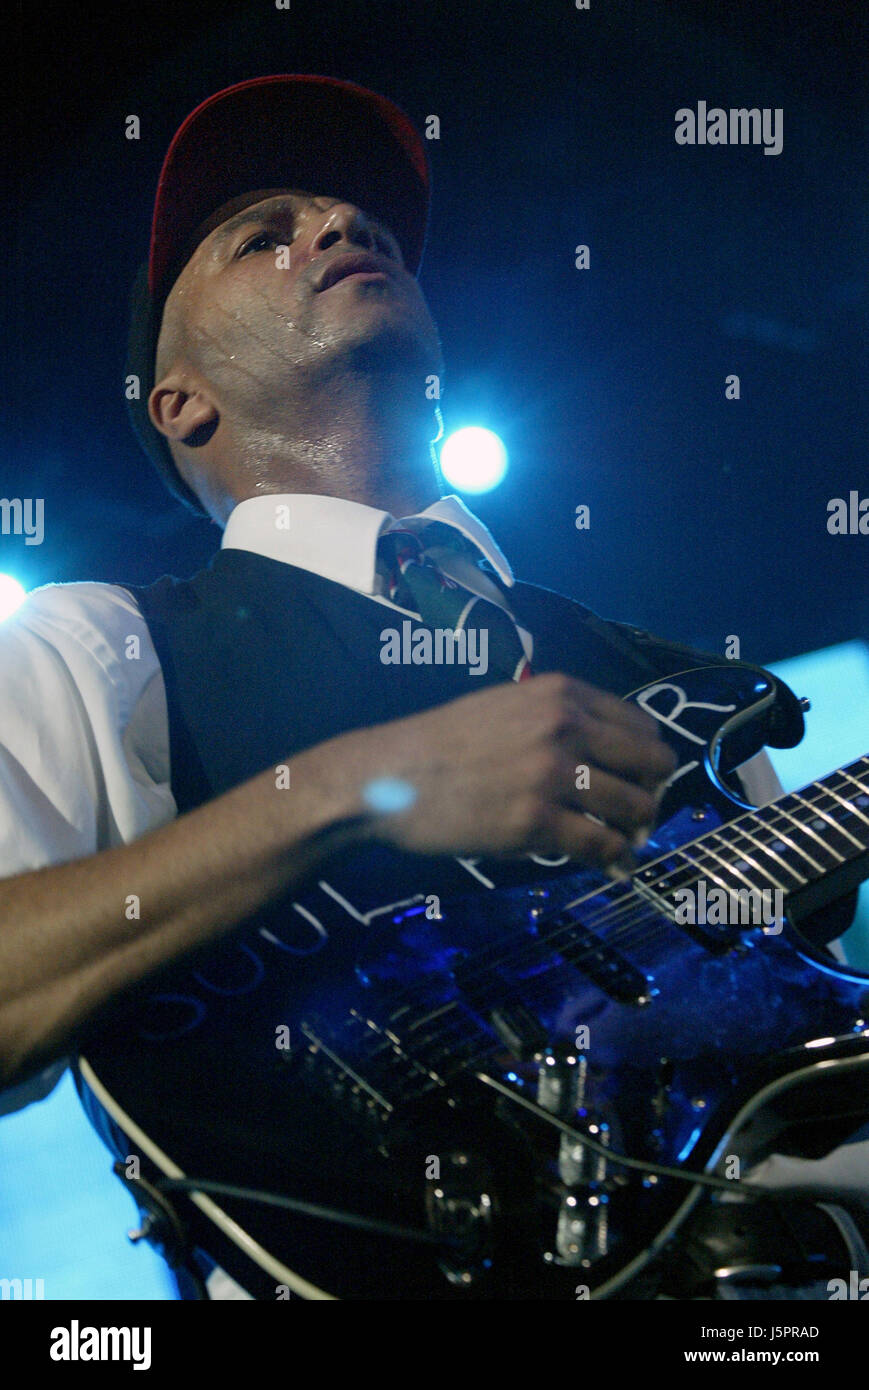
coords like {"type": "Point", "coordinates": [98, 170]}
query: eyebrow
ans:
{"type": "Point", "coordinates": [252, 214]}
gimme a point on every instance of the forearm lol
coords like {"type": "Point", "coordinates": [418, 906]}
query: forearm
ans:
{"type": "Point", "coordinates": [75, 935]}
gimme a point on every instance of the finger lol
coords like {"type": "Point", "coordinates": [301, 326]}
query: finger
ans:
{"type": "Point", "coordinates": [646, 761]}
{"type": "Point", "coordinates": [598, 846]}
{"type": "Point", "coordinates": [614, 710]}
{"type": "Point", "coordinates": [621, 804]}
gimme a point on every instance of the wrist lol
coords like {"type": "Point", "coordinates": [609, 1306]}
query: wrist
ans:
{"type": "Point", "coordinates": [328, 787]}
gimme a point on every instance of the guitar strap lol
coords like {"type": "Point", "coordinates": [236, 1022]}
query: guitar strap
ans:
{"type": "Point", "coordinates": [648, 655]}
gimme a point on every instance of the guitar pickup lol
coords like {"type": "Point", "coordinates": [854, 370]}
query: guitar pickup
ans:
{"type": "Point", "coordinates": [519, 1029]}
{"type": "Point", "coordinates": [715, 936]}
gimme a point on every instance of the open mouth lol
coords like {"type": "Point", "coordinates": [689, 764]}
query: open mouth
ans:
{"type": "Point", "coordinates": [350, 264]}
{"type": "Point", "coordinates": [360, 275]}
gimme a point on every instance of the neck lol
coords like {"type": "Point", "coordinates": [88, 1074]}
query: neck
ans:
{"type": "Point", "coordinates": [352, 440]}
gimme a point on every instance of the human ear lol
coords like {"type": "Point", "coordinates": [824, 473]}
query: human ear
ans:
{"type": "Point", "coordinates": [178, 412]}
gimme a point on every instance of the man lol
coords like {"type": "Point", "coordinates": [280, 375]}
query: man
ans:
{"type": "Point", "coordinates": [285, 356]}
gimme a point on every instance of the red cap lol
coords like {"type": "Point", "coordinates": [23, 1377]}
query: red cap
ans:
{"type": "Point", "coordinates": [293, 130]}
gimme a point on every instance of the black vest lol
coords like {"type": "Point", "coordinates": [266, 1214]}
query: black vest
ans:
{"type": "Point", "coordinates": [262, 660]}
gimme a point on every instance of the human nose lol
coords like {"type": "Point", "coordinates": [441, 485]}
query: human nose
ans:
{"type": "Point", "coordinates": [346, 222]}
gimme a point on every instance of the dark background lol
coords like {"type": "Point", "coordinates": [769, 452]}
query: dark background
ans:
{"type": "Point", "coordinates": [708, 516]}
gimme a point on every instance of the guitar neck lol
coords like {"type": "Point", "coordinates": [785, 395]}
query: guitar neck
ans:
{"type": "Point", "coordinates": [816, 836]}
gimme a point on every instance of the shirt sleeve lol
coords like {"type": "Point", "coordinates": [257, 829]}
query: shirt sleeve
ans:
{"type": "Point", "coordinates": [759, 780]}
{"type": "Point", "coordinates": [84, 738]}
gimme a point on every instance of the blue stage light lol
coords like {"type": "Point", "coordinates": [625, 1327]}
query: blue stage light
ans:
{"type": "Point", "coordinates": [12, 595]}
{"type": "Point", "coordinates": [473, 459]}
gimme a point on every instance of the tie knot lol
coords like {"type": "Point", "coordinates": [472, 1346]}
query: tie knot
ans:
{"type": "Point", "coordinates": [415, 581]}
{"type": "Point", "coordinates": [400, 545]}
{"type": "Point", "coordinates": [397, 547]}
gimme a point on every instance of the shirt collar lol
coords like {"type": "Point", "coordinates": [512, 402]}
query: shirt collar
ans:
{"type": "Point", "coordinates": [337, 539]}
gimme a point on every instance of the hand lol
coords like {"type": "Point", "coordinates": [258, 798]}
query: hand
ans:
{"type": "Point", "coordinates": [495, 773]}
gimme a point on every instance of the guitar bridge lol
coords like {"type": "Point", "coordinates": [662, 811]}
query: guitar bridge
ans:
{"type": "Point", "coordinates": [381, 1077]}
{"type": "Point", "coordinates": [346, 1081]}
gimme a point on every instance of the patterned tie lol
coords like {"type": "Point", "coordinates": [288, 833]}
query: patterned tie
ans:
{"type": "Point", "coordinates": [415, 582]}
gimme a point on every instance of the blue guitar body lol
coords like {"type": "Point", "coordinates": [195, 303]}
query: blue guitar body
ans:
{"type": "Point", "coordinates": [474, 1068]}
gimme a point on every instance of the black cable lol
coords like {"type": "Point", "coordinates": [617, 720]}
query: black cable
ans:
{"type": "Point", "coordinates": [386, 1228]}
{"type": "Point", "coordinates": [274, 1199]}
{"type": "Point", "coordinates": [643, 1165]}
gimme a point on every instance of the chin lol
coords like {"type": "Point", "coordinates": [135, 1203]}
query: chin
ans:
{"type": "Point", "coordinates": [395, 347]}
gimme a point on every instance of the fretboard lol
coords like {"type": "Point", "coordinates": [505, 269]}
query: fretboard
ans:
{"type": "Point", "coordinates": [789, 844]}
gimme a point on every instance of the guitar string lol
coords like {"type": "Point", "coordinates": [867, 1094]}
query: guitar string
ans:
{"type": "Point", "coordinates": [531, 947]}
{"type": "Point", "coordinates": [459, 1041]}
{"type": "Point", "coordinates": [691, 852]}
{"type": "Point", "coordinates": [435, 1045]}
{"type": "Point", "coordinates": [647, 914]}
{"type": "Point", "coordinates": [597, 890]}
{"type": "Point", "coordinates": [532, 987]}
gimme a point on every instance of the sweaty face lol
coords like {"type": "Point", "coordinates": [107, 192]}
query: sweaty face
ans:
{"type": "Point", "coordinates": [268, 314]}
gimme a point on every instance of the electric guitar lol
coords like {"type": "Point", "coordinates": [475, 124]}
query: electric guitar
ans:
{"type": "Point", "coordinates": [525, 1091]}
